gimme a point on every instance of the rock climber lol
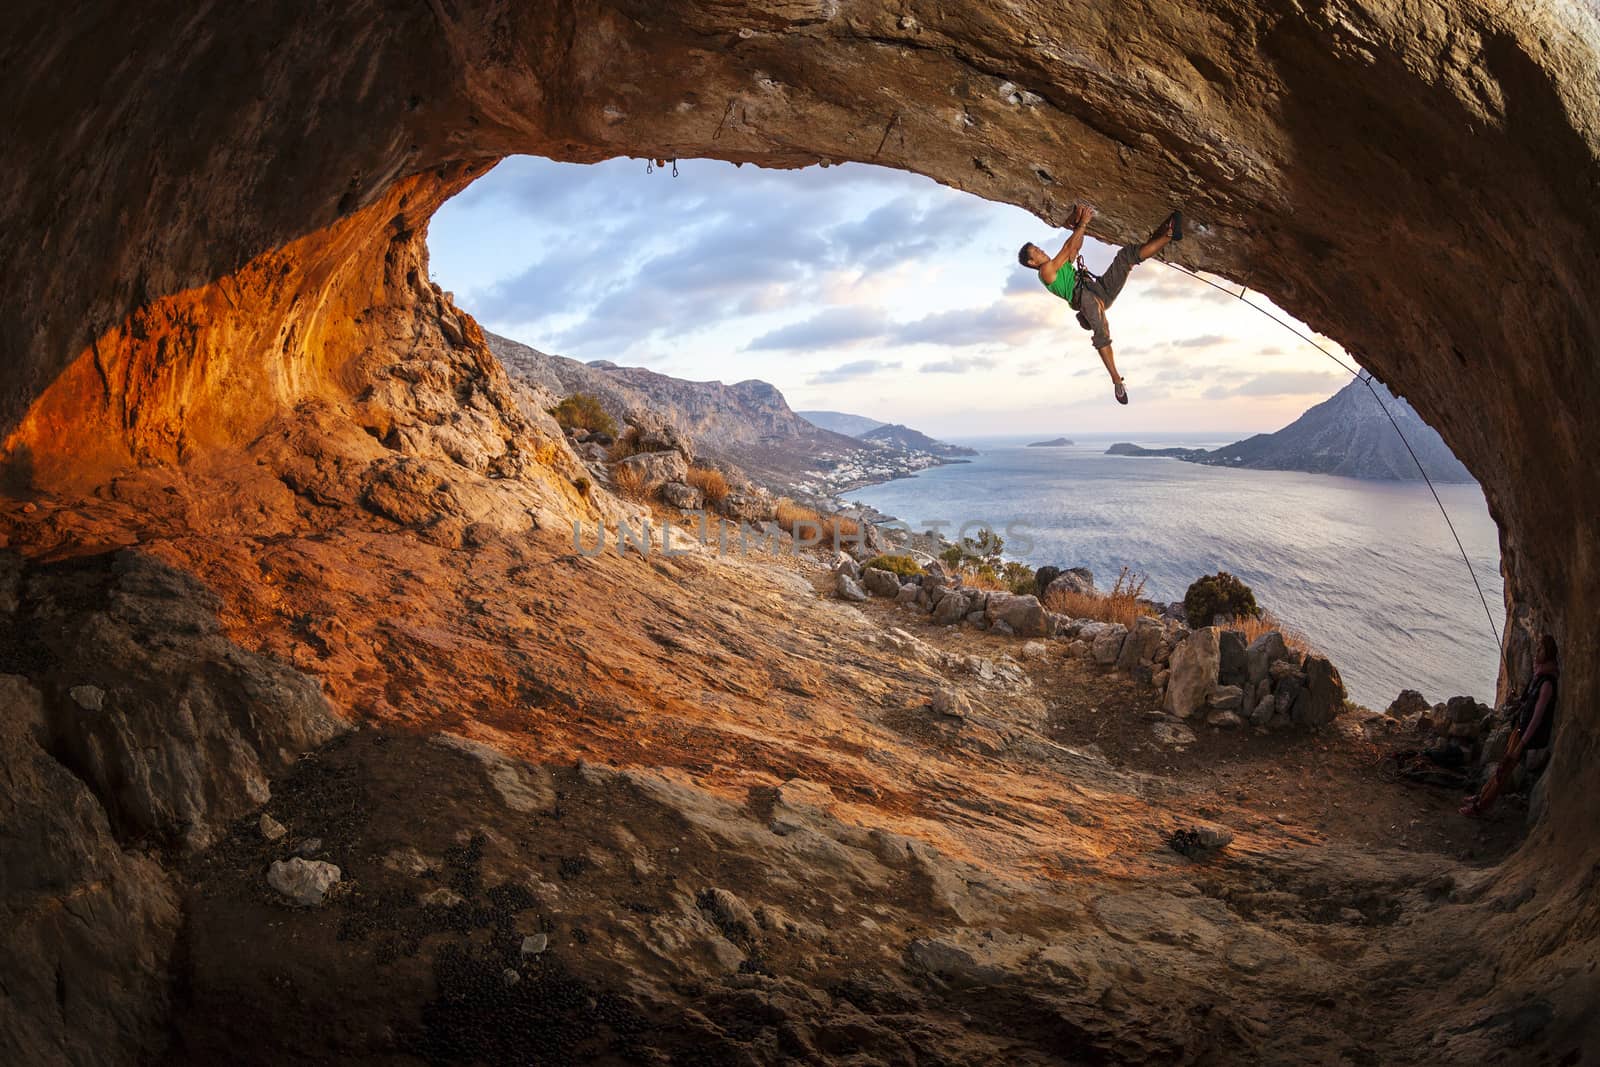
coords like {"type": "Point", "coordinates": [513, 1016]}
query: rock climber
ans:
{"type": "Point", "coordinates": [1064, 274]}
{"type": "Point", "coordinates": [1530, 738]}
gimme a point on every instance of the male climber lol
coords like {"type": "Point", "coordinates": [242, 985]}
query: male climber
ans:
{"type": "Point", "coordinates": [1090, 295]}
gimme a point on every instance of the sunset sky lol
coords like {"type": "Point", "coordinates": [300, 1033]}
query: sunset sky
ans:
{"type": "Point", "coordinates": [854, 289]}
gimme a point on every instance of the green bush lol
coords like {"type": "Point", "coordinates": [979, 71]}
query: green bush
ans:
{"type": "Point", "coordinates": [583, 411]}
{"type": "Point", "coordinates": [1219, 594]}
{"type": "Point", "coordinates": [904, 566]}
{"type": "Point", "coordinates": [1019, 577]}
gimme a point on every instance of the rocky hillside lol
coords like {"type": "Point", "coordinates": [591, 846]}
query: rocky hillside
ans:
{"type": "Point", "coordinates": [1348, 434]}
{"type": "Point", "coordinates": [841, 422]}
{"type": "Point", "coordinates": [747, 425]}
{"type": "Point", "coordinates": [905, 438]}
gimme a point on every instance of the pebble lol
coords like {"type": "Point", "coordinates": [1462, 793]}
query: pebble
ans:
{"type": "Point", "coordinates": [309, 847]}
{"type": "Point", "coordinates": [270, 828]}
{"type": "Point", "coordinates": [534, 944]}
{"type": "Point", "coordinates": [510, 976]}
{"type": "Point", "coordinates": [443, 897]}
{"type": "Point", "coordinates": [88, 697]}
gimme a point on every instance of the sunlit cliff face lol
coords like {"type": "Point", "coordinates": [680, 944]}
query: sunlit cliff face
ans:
{"type": "Point", "coordinates": [207, 204]}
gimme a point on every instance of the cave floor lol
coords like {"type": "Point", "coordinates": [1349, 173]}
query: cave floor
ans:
{"type": "Point", "coordinates": [721, 799]}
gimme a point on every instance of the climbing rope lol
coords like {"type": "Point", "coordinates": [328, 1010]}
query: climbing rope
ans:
{"type": "Point", "coordinates": [1366, 379]}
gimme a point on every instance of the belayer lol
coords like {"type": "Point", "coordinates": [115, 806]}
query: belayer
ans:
{"type": "Point", "coordinates": [1530, 737]}
{"type": "Point", "coordinates": [1065, 275]}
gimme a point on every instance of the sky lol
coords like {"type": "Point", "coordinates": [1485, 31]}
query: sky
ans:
{"type": "Point", "coordinates": [854, 288]}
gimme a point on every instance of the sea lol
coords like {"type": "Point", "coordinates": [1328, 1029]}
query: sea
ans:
{"type": "Point", "coordinates": [1366, 569]}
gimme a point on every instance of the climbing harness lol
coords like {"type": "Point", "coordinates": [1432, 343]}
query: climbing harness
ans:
{"type": "Point", "coordinates": [1366, 379]}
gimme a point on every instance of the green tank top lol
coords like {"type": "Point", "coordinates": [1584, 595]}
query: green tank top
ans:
{"type": "Point", "coordinates": [1066, 281]}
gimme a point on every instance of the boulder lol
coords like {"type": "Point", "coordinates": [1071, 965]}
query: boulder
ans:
{"type": "Point", "coordinates": [978, 619]}
{"type": "Point", "coordinates": [1035, 650]}
{"type": "Point", "coordinates": [908, 594]}
{"type": "Point", "coordinates": [1195, 666]}
{"type": "Point", "coordinates": [1263, 652]}
{"type": "Point", "coordinates": [1042, 579]}
{"type": "Point", "coordinates": [951, 609]}
{"type": "Point", "coordinates": [1226, 720]}
{"type": "Point", "coordinates": [1288, 695]}
{"type": "Point", "coordinates": [1142, 644]}
{"type": "Point", "coordinates": [880, 582]}
{"type": "Point", "coordinates": [679, 495]}
{"type": "Point", "coordinates": [1076, 580]}
{"type": "Point", "coordinates": [1107, 645]}
{"type": "Point", "coordinates": [656, 469]}
{"type": "Point", "coordinates": [1234, 666]}
{"type": "Point", "coordinates": [849, 589]}
{"type": "Point", "coordinates": [1325, 694]}
{"type": "Point", "coordinates": [843, 563]}
{"type": "Point", "coordinates": [1408, 703]}
{"type": "Point", "coordinates": [306, 882]}
{"type": "Point", "coordinates": [1023, 614]}
{"type": "Point", "coordinates": [950, 703]}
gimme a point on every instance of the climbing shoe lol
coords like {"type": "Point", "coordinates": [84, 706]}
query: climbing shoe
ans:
{"type": "Point", "coordinates": [1122, 393]}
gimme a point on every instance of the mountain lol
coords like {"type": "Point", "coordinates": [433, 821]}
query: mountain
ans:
{"type": "Point", "coordinates": [840, 422]}
{"type": "Point", "coordinates": [1348, 434]}
{"type": "Point", "coordinates": [748, 425]}
{"type": "Point", "coordinates": [1054, 442]}
{"type": "Point", "coordinates": [905, 438]}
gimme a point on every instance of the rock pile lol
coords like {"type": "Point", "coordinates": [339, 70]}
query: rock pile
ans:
{"type": "Point", "coordinates": [1209, 674]}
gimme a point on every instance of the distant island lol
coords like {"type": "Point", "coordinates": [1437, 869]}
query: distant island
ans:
{"type": "Point", "coordinates": [1125, 448]}
{"type": "Point", "coordinates": [1059, 442]}
{"type": "Point", "coordinates": [1348, 434]}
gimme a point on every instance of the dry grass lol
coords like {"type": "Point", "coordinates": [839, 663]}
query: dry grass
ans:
{"type": "Point", "coordinates": [1120, 605]}
{"type": "Point", "coordinates": [630, 482]}
{"type": "Point", "coordinates": [710, 482]}
{"type": "Point", "coordinates": [624, 445]}
{"type": "Point", "coordinates": [1293, 636]}
{"type": "Point", "coordinates": [804, 524]}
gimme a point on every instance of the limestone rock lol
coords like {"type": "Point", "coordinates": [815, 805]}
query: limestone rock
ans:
{"type": "Point", "coordinates": [1225, 698]}
{"type": "Point", "coordinates": [951, 703]}
{"type": "Point", "coordinates": [1076, 580]}
{"type": "Point", "coordinates": [269, 828]}
{"type": "Point", "coordinates": [1325, 693]}
{"type": "Point", "coordinates": [1022, 614]}
{"type": "Point", "coordinates": [306, 882]}
{"type": "Point", "coordinates": [1108, 644]}
{"type": "Point", "coordinates": [848, 588]}
{"type": "Point", "coordinates": [1262, 653]}
{"type": "Point", "coordinates": [679, 495]}
{"type": "Point", "coordinates": [1408, 703]}
{"type": "Point", "coordinates": [1234, 667]}
{"type": "Point", "coordinates": [1142, 643]}
{"type": "Point", "coordinates": [1195, 664]}
{"type": "Point", "coordinates": [880, 582]}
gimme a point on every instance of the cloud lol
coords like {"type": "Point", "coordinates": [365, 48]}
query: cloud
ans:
{"type": "Point", "coordinates": [1279, 383]}
{"type": "Point", "coordinates": [1205, 340]}
{"type": "Point", "coordinates": [959, 365]}
{"type": "Point", "coordinates": [838, 327]}
{"type": "Point", "coordinates": [861, 368]}
{"type": "Point", "coordinates": [1009, 322]}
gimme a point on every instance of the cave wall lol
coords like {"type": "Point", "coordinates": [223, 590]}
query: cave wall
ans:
{"type": "Point", "coordinates": [202, 196]}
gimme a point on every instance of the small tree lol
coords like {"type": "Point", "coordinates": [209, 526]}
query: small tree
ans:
{"type": "Point", "coordinates": [1219, 594]}
{"type": "Point", "coordinates": [584, 411]}
{"type": "Point", "coordinates": [1019, 576]}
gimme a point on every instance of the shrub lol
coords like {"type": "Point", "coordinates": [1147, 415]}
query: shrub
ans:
{"type": "Point", "coordinates": [710, 482]}
{"type": "Point", "coordinates": [1219, 594]}
{"type": "Point", "coordinates": [626, 444]}
{"type": "Point", "coordinates": [1018, 577]}
{"type": "Point", "coordinates": [904, 566]}
{"type": "Point", "coordinates": [1122, 604]}
{"type": "Point", "coordinates": [583, 411]}
{"type": "Point", "coordinates": [582, 485]}
{"type": "Point", "coordinates": [630, 481]}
